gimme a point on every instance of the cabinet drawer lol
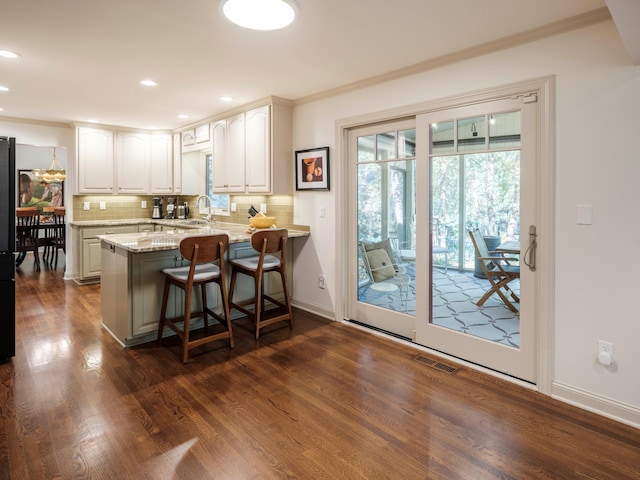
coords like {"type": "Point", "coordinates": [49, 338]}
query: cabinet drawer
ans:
{"type": "Point", "coordinates": [93, 232]}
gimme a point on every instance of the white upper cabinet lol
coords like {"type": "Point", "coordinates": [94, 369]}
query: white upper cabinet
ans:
{"type": "Point", "coordinates": [252, 151]}
{"type": "Point", "coordinates": [202, 134]}
{"type": "Point", "coordinates": [188, 139]}
{"type": "Point", "coordinates": [196, 138]}
{"type": "Point", "coordinates": [95, 160]}
{"type": "Point", "coordinates": [162, 171]}
{"type": "Point", "coordinates": [137, 163]}
{"type": "Point", "coordinates": [258, 150]}
{"type": "Point", "coordinates": [229, 155]}
{"type": "Point", "coordinates": [177, 164]}
{"type": "Point", "coordinates": [132, 162]}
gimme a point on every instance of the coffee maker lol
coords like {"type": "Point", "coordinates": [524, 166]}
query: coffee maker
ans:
{"type": "Point", "coordinates": [157, 208]}
{"type": "Point", "coordinates": [171, 208]}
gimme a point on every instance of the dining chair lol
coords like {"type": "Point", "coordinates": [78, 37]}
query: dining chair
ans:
{"type": "Point", "coordinates": [27, 232]}
{"type": "Point", "coordinates": [57, 236]}
{"type": "Point", "coordinates": [499, 269]}
{"type": "Point", "coordinates": [202, 252]}
{"type": "Point", "coordinates": [271, 247]}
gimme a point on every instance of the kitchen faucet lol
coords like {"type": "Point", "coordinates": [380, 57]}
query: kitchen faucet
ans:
{"type": "Point", "coordinates": [208, 205]}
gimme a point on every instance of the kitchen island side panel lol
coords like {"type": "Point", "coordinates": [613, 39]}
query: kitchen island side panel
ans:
{"type": "Point", "coordinates": [115, 292]}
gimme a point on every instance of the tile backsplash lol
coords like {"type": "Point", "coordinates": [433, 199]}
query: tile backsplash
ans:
{"type": "Point", "coordinates": [130, 206]}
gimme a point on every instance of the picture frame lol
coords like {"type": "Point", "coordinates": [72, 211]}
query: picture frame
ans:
{"type": "Point", "coordinates": [41, 194]}
{"type": "Point", "coordinates": [312, 169]}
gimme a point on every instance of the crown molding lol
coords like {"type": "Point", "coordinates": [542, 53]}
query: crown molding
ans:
{"type": "Point", "coordinates": [567, 25]}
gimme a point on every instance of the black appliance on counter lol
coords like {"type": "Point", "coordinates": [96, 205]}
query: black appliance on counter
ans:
{"type": "Point", "coordinates": [7, 248]}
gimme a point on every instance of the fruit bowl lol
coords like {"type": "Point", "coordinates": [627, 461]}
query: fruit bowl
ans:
{"type": "Point", "coordinates": [262, 222]}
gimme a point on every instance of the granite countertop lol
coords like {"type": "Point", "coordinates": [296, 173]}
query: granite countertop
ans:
{"type": "Point", "coordinates": [169, 239]}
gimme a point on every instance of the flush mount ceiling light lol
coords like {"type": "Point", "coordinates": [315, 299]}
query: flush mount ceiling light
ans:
{"type": "Point", "coordinates": [148, 83]}
{"type": "Point", "coordinates": [8, 54]}
{"type": "Point", "coordinates": [260, 14]}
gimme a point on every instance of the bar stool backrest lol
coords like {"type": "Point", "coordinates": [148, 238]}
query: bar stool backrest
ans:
{"type": "Point", "coordinates": [204, 248]}
{"type": "Point", "coordinates": [270, 241]}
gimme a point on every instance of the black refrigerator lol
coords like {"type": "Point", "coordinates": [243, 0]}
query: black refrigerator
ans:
{"type": "Point", "coordinates": [7, 247]}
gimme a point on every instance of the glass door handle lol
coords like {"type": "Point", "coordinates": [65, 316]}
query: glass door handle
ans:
{"type": "Point", "coordinates": [530, 254]}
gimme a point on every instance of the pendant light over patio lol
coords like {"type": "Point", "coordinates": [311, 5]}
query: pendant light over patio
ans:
{"type": "Point", "coordinates": [260, 14]}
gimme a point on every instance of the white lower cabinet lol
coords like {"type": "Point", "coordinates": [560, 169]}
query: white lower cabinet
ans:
{"type": "Point", "coordinates": [90, 258]}
{"type": "Point", "coordinates": [91, 253]}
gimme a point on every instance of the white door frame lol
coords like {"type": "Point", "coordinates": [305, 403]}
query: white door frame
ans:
{"type": "Point", "coordinates": [544, 88]}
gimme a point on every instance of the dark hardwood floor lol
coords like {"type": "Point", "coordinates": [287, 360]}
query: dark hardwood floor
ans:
{"type": "Point", "coordinates": [321, 401]}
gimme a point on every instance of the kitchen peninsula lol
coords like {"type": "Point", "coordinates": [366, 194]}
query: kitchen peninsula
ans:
{"type": "Point", "coordinates": [132, 285]}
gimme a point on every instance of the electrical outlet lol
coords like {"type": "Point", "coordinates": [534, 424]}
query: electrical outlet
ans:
{"type": "Point", "coordinates": [143, 204]}
{"type": "Point", "coordinates": [606, 347]}
{"type": "Point", "coordinates": [263, 208]}
{"type": "Point", "coordinates": [321, 283]}
{"type": "Point", "coordinates": [86, 206]}
{"type": "Point", "coordinates": [605, 353]}
{"type": "Point", "coordinates": [103, 205]}
{"type": "Point", "coordinates": [233, 206]}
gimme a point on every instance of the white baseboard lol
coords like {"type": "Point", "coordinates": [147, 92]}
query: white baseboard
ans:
{"type": "Point", "coordinates": [314, 308]}
{"type": "Point", "coordinates": [598, 404]}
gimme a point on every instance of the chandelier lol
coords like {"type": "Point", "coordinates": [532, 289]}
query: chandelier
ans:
{"type": "Point", "coordinates": [55, 172]}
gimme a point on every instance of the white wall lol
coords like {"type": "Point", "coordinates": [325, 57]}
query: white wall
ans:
{"type": "Point", "coordinates": [31, 134]}
{"type": "Point", "coordinates": [597, 267]}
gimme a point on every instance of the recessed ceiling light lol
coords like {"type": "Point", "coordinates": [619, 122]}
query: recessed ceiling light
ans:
{"type": "Point", "coordinates": [148, 83]}
{"type": "Point", "coordinates": [260, 14]}
{"type": "Point", "coordinates": [1, 109]}
{"type": "Point", "coordinates": [8, 54]}
{"type": "Point", "coordinates": [226, 98]}
{"type": "Point", "coordinates": [183, 115]}
{"type": "Point", "coordinates": [3, 89]}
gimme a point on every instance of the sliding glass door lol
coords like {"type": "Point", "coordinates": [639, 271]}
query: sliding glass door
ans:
{"type": "Point", "coordinates": [382, 226]}
{"type": "Point", "coordinates": [478, 195]}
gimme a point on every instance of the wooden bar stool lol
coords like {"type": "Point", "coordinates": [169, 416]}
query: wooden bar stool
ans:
{"type": "Point", "coordinates": [267, 242]}
{"type": "Point", "coordinates": [201, 251]}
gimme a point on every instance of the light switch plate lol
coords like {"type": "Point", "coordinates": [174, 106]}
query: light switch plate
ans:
{"type": "Point", "coordinates": [263, 207]}
{"type": "Point", "coordinates": [86, 206]}
{"type": "Point", "coordinates": [233, 206]}
{"type": "Point", "coordinates": [103, 205]}
{"type": "Point", "coordinates": [584, 215]}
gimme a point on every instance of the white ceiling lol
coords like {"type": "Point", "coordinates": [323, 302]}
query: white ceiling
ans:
{"type": "Point", "coordinates": [82, 59]}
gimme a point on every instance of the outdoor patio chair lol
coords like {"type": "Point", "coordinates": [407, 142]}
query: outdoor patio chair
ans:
{"type": "Point", "coordinates": [500, 270]}
{"type": "Point", "coordinates": [384, 270]}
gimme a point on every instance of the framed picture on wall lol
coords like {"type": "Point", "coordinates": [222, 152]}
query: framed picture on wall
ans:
{"type": "Point", "coordinates": [312, 169]}
{"type": "Point", "coordinates": [34, 192]}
